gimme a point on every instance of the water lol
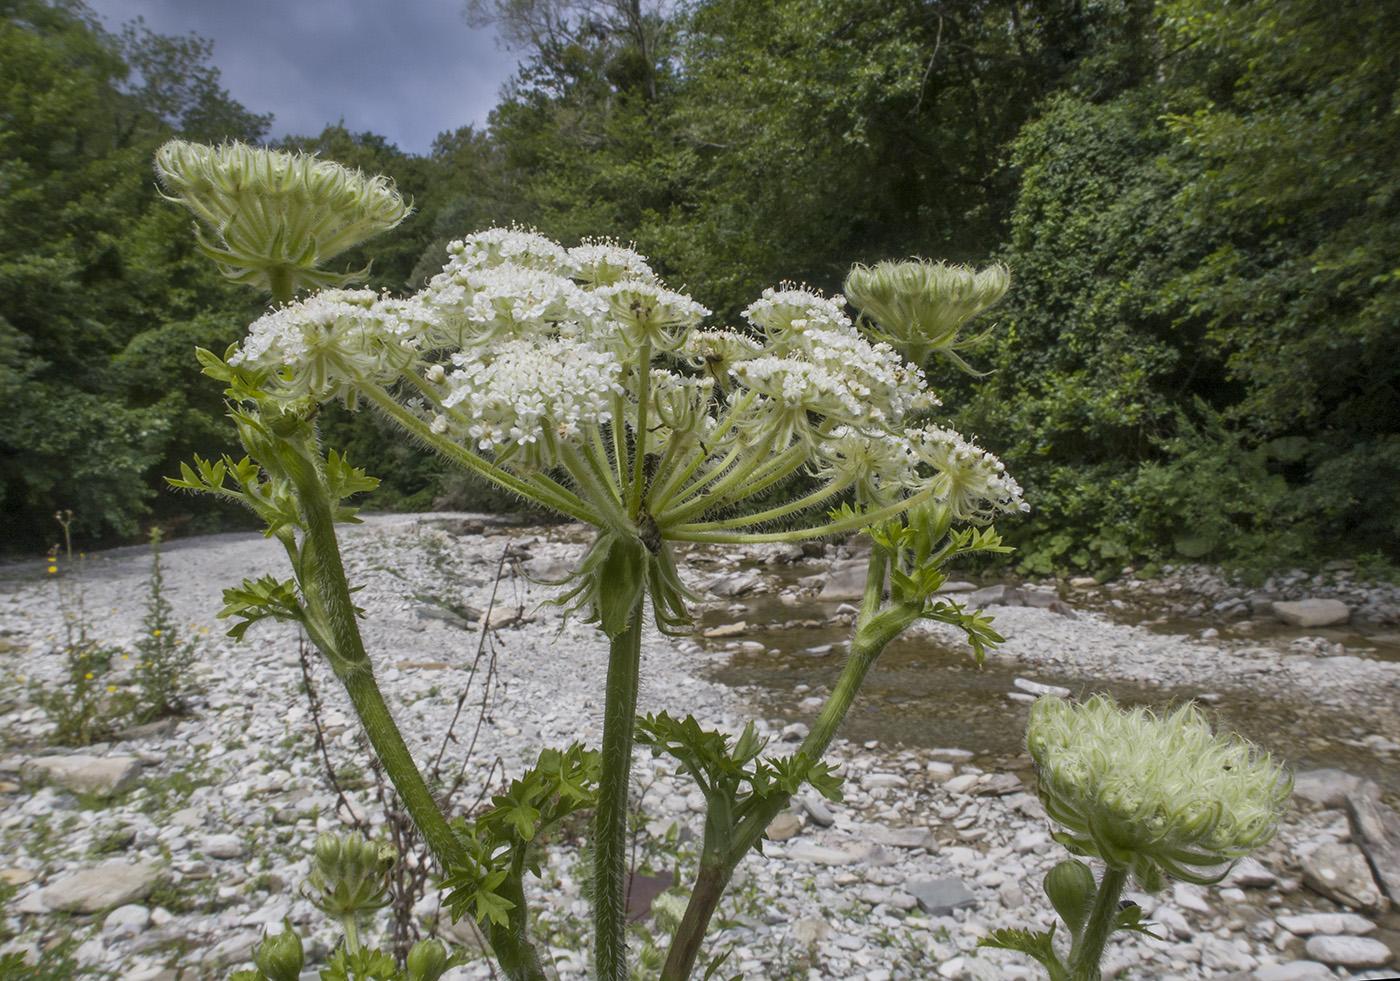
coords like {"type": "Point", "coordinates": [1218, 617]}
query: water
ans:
{"type": "Point", "coordinates": [921, 694]}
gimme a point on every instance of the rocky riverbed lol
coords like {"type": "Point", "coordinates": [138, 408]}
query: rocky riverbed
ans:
{"type": "Point", "coordinates": [178, 844]}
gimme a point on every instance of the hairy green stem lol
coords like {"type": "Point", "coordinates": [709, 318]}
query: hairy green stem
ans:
{"type": "Point", "coordinates": [875, 628]}
{"type": "Point", "coordinates": [610, 819]}
{"type": "Point", "coordinates": [332, 624]}
{"type": "Point", "coordinates": [1087, 955]}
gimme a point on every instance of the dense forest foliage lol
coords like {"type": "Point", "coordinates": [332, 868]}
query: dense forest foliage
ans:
{"type": "Point", "coordinates": [1198, 200]}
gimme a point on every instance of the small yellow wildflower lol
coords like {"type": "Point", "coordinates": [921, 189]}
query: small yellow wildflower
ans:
{"type": "Point", "coordinates": [88, 676]}
{"type": "Point", "coordinates": [53, 568]}
{"type": "Point", "coordinates": [156, 634]}
{"type": "Point", "coordinates": [111, 687]}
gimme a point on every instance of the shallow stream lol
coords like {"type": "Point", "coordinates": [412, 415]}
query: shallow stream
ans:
{"type": "Point", "coordinates": [922, 694]}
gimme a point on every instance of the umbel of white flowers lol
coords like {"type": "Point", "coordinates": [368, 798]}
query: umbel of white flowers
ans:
{"type": "Point", "coordinates": [578, 379]}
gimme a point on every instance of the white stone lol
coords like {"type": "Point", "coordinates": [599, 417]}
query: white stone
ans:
{"type": "Point", "coordinates": [126, 920]}
{"type": "Point", "coordinates": [805, 851]}
{"type": "Point", "coordinates": [1312, 612]}
{"type": "Point", "coordinates": [1348, 951]}
{"type": "Point", "coordinates": [85, 774]}
{"type": "Point", "coordinates": [1331, 924]}
{"type": "Point", "coordinates": [93, 890]}
{"type": "Point", "coordinates": [224, 846]}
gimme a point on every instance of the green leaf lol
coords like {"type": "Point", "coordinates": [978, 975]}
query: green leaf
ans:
{"type": "Point", "coordinates": [1037, 945]}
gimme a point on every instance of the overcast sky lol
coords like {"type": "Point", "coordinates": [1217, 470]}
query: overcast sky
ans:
{"type": "Point", "coordinates": [405, 69]}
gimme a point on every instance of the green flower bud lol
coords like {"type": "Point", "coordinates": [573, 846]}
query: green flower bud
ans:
{"type": "Point", "coordinates": [919, 306]}
{"type": "Point", "coordinates": [275, 218]}
{"type": "Point", "coordinates": [427, 961]}
{"type": "Point", "coordinates": [1153, 795]}
{"type": "Point", "coordinates": [349, 875]}
{"type": "Point", "coordinates": [1070, 886]}
{"type": "Point", "coordinates": [280, 957]}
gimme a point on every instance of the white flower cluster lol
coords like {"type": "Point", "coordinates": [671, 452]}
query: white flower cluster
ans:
{"type": "Point", "coordinates": [324, 345]}
{"type": "Point", "coordinates": [775, 312]}
{"type": "Point", "coordinates": [538, 357]}
{"type": "Point", "coordinates": [529, 395]}
{"type": "Point", "coordinates": [600, 262]}
{"type": "Point", "coordinates": [973, 482]}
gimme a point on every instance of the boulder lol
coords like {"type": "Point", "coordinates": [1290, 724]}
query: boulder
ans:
{"type": "Point", "coordinates": [784, 826]}
{"type": "Point", "coordinates": [93, 890]}
{"type": "Point", "coordinates": [735, 584]}
{"type": "Point", "coordinates": [805, 851]}
{"type": "Point", "coordinates": [1340, 873]}
{"type": "Point", "coordinates": [1328, 786]}
{"type": "Point", "coordinates": [1312, 612]}
{"type": "Point", "coordinates": [845, 580]}
{"type": "Point", "coordinates": [102, 775]}
{"type": "Point", "coordinates": [939, 897]}
{"type": "Point", "coordinates": [1376, 829]}
{"type": "Point", "coordinates": [1349, 952]}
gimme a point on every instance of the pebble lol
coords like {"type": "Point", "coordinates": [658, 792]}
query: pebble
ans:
{"type": "Point", "coordinates": [841, 889]}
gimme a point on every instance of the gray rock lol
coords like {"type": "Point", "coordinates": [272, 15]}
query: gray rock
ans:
{"type": "Point", "coordinates": [1340, 872]}
{"type": "Point", "coordinates": [1000, 595]}
{"type": "Point", "coordinates": [224, 846]}
{"type": "Point", "coordinates": [1328, 786]}
{"type": "Point", "coordinates": [1037, 688]}
{"type": "Point", "coordinates": [126, 920]}
{"type": "Point", "coordinates": [1376, 829]}
{"type": "Point", "coordinates": [818, 811]}
{"type": "Point", "coordinates": [845, 580]}
{"type": "Point", "coordinates": [1312, 612]}
{"type": "Point", "coordinates": [998, 785]}
{"type": "Point", "coordinates": [939, 897]}
{"type": "Point", "coordinates": [873, 780]}
{"type": "Point", "coordinates": [1346, 951]}
{"type": "Point", "coordinates": [735, 584]}
{"type": "Point", "coordinates": [1249, 874]}
{"type": "Point", "coordinates": [784, 826]}
{"type": "Point", "coordinates": [961, 784]}
{"type": "Point", "coordinates": [811, 931]}
{"type": "Point", "coordinates": [104, 775]}
{"type": "Point", "coordinates": [93, 890]}
{"type": "Point", "coordinates": [1330, 924]}
{"type": "Point", "coordinates": [805, 851]}
{"type": "Point", "coordinates": [904, 837]}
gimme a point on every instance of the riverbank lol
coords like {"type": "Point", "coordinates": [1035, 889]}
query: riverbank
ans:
{"type": "Point", "coordinates": [937, 843]}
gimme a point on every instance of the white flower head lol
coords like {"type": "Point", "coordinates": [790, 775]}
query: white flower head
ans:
{"type": "Point", "coordinates": [649, 314]}
{"type": "Point", "coordinates": [972, 481]}
{"type": "Point", "coordinates": [602, 262]}
{"type": "Point", "coordinates": [877, 465]}
{"type": "Point", "coordinates": [325, 345]}
{"type": "Point", "coordinates": [514, 245]}
{"type": "Point", "coordinates": [520, 399]}
{"type": "Point", "coordinates": [792, 309]}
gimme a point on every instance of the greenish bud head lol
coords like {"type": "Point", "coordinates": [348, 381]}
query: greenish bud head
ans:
{"type": "Point", "coordinates": [919, 307]}
{"type": "Point", "coordinates": [427, 961]}
{"type": "Point", "coordinates": [1158, 795]}
{"type": "Point", "coordinates": [280, 957]}
{"type": "Point", "coordinates": [1070, 886]}
{"type": "Point", "coordinates": [349, 875]}
{"type": "Point", "coordinates": [273, 219]}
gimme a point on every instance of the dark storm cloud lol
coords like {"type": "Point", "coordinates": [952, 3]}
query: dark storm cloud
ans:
{"type": "Point", "coordinates": [405, 69]}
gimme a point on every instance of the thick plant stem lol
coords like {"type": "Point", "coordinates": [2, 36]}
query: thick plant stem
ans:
{"type": "Point", "coordinates": [1085, 959]}
{"type": "Point", "coordinates": [875, 628]}
{"type": "Point", "coordinates": [610, 820]}
{"type": "Point", "coordinates": [326, 593]}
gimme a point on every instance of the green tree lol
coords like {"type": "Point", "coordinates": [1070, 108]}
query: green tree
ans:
{"type": "Point", "coordinates": [96, 277]}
